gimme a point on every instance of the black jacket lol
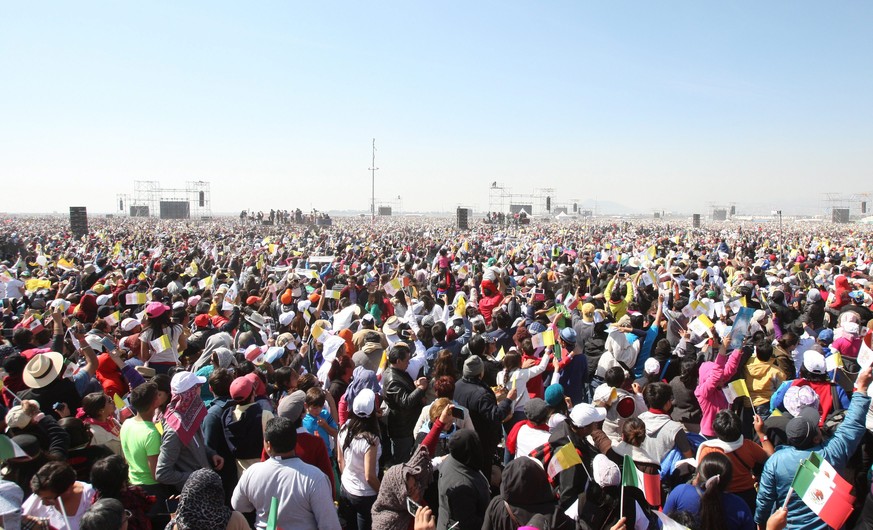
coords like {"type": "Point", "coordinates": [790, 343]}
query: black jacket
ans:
{"type": "Point", "coordinates": [464, 494]}
{"type": "Point", "coordinates": [525, 493]}
{"type": "Point", "coordinates": [404, 401]}
{"type": "Point", "coordinates": [486, 413]}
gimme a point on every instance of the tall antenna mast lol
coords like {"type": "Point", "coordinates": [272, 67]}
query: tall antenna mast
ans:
{"type": "Point", "coordinates": [373, 170]}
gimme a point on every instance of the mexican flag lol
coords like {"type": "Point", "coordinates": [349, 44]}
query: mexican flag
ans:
{"type": "Point", "coordinates": [649, 484]}
{"type": "Point", "coordinates": [10, 449]}
{"type": "Point", "coordinates": [273, 515]}
{"type": "Point", "coordinates": [826, 495]}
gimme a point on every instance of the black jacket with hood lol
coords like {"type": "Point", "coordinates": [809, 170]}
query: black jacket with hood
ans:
{"type": "Point", "coordinates": [463, 490]}
{"type": "Point", "coordinates": [525, 493]}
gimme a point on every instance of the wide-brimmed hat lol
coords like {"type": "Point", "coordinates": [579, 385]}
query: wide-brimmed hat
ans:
{"type": "Point", "coordinates": [257, 320]}
{"type": "Point", "coordinates": [42, 369]}
{"type": "Point", "coordinates": [391, 325]}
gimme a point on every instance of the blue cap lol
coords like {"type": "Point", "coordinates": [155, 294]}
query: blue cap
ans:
{"type": "Point", "coordinates": [568, 335]}
{"type": "Point", "coordinates": [826, 336]}
{"type": "Point", "coordinates": [554, 395]}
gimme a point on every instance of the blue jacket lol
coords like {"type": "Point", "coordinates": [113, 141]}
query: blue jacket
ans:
{"type": "Point", "coordinates": [780, 468]}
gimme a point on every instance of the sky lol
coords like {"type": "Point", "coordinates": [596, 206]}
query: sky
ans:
{"type": "Point", "coordinates": [652, 105]}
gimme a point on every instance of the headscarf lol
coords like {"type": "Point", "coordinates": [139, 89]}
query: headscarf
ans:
{"type": "Point", "coordinates": [110, 376]}
{"type": "Point", "coordinates": [361, 379]}
{"type": "Point", "coordinates": [201, 504]}
{"type": "Point", "coordinates": [87, 309]}
{"type": "Point", "coordinates": [185, 413]}
{"type": "Point", "coordinates": [346, 334]}
{"type": "Point", "coordinates": [389, 510]}
{"type": "Point", "coordinates": [213, 343]}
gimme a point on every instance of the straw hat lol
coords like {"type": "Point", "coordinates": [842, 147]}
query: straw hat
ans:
{"type": "Point", "coordinates": [42, 369]}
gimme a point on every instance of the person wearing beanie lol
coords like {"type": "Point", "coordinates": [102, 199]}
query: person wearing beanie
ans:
{"type": "Point", "coordinates": [531, 432]}
{"type": "Point", "coordinates": [559, 405]}
{"type": "Point", "coordinates": [482, 404]}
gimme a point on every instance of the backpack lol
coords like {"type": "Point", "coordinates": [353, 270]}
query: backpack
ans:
{"type": "Point", "coordinates": [244, 436]}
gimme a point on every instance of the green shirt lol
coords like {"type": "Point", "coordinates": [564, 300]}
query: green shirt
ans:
{"type": "Point", "coordinates": [140, 440]}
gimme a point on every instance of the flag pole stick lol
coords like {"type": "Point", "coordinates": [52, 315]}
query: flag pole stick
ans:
{"type": "Point", "coordinates": [13, 394]}
{"type": "Point", "coordinates": [790, 491]}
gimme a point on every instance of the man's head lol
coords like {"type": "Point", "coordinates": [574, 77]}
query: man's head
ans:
{"type": "Point", "coordinates": [584, 417]}
{"type": "Point", "coordinates": [727, 426]}
{"type": "Point", "coordinates": [658, 396]}
{"type": "Point", "coordinates": [144, 399]}
{"type": "Point", "coordinates": [280, 437]}
{"type": "Point", "coordinates": [242, 390]}
{"type": "Point", "coordinates": [398, 356]}
{"type": "Point", "coordinates": [802, 432]}
{"type": "Point", "coordinates": [474, 367]}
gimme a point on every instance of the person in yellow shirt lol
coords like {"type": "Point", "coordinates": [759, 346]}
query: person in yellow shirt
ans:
{"type": "Point", "coordinates": [763, 377]}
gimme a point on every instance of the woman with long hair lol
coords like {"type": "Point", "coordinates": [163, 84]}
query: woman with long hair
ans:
{"type": "Point", "coordinates": [358, 460]}
{"type": "Point", "coordinates": [161, 353]}
{"type": "Point", "coordinates": [98, 412]}
{"type": "Point", "coordinates": [706, 497]}
{"type": "Point", "coordinates": [686, 408]}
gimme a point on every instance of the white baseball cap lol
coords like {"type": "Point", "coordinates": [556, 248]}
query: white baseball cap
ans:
{"type": "Point", "coordinates": [184, 381]}
{"type": "Point", "coordinates": [814, 362]}
{"type": "Point", "coordinates": [365, 403]}
{"type": "Point", "coordinates": [652, 366]}
{"type": "Point", "coordinates": [585, 414]}
{"type": "Point", "coordinates": [129, 324]}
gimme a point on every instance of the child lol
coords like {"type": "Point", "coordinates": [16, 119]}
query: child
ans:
{"type": "Point", "coordinates": [317, 420]}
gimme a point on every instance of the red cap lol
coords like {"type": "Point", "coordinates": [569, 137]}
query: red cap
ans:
{"type": "Point", "coordinates": [241, 388]}
{"type": "Point", "coordinates": [253, 300]}
{"type": "Point", "coordinates": [202, 321]}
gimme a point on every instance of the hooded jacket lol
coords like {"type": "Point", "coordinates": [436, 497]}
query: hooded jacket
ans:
{"type": "Point", "coordinates": [389, 511]}
{"type": "Point", "coordinates": [463, 490]}
{"type": "Point", "coordinates": [661, 431]}
{"type": "Point", "coordinates": [525, 492]}
{"type": "Point", "coordinates": [713, 375]}
{"type": "Point", "coordinates": [780, 468]}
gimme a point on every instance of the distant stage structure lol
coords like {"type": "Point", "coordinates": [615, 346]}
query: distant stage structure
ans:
{"type": "Point", "coordinates": [150, 199]}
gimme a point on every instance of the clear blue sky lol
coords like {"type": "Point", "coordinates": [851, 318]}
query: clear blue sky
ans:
{"type": "Point", "coordinates": [276, 103]}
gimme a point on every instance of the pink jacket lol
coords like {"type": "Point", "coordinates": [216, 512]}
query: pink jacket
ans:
{"type": "Point", "coordinates": [713, 375]}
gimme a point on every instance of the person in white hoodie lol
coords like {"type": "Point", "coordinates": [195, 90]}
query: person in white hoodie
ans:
{"type": "Point", "coordinates": [662, 432]}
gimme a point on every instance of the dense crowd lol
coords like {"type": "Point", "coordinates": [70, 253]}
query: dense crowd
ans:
{"type": "Point", "coordinates": [402, 374]}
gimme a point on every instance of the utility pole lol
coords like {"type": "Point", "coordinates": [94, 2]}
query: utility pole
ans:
{"type": "Point", "coordinates": [373, 170]}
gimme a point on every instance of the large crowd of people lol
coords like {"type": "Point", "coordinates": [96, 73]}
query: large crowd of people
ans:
{"type": "Point", "coordinates": [400, 374]}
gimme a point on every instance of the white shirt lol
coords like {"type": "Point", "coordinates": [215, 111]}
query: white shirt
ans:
{"type": "Point", "coordinates": [13, 288]}
{"type": "Point", "coordinates": [305, 497]}
{"type": "Point", "coordinates": [521, 377]}
{"type": "Point", "coordinates": [33, 506]}
{"type": "Point", "coordinates": [354, 478]}
{"type": "Point", "coordinates": [529, 439]}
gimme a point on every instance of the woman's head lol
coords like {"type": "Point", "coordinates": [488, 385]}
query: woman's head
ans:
{"type": "Point", "coordinates": [444, 386]}
{"type": "Point", "coordinates": [512, 361]}
{"type": "Point", "coordinates": [51, 481]}
{"type": "Point", "coordinates": [633, 432]}
{"type": "Point", "coordinates": [445, 365]}
{"type": "Point", "coordinates": [436, 408]}
{"type": "Point", "coordinates": [714, 471]}
{"type": "Point", "coordinates": [98, 406]}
